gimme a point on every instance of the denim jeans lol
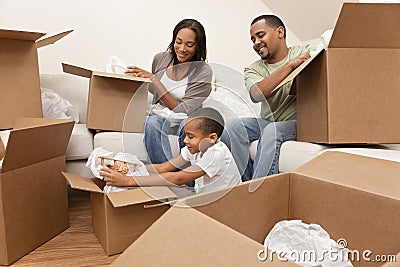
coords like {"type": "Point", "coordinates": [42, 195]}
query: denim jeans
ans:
{"type": "Point", "coordinates": [239, 133]}
{"type": "Point", "coordinates": [156, 131]}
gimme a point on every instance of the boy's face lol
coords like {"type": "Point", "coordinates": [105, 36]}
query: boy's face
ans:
{"type": "Point", "coordinates": [194, 135]}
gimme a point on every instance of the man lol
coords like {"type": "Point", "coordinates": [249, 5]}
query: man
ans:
{"type": "Point", "coordinates": [278, 109]}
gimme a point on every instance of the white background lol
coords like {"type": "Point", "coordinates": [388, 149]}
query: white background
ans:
{"type": "Point", "coordinates": [133, 30]}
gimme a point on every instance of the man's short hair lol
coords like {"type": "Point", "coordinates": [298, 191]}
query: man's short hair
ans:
{"type": "Point", "coordinates": [271, 20]}
{"type": "Point", "coordinates": [211, 121]}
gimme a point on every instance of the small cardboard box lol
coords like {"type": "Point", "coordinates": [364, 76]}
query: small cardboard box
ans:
{"type": "Point", "coordinates": [120, 218]}
{"type": "Point", "coordinates": [19, 74]}
{"type": "Point", "coordinates": [352, 197]}
{"type": "Point", "coordinates": [349, 93]}
{"type": "Point", "coordinates": [33, 192]}
{"type": "Point", "coordinates": [116, 102]}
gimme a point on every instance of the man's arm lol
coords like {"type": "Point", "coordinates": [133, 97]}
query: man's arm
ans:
{"type": "Point", "coordinates": [262, 90]}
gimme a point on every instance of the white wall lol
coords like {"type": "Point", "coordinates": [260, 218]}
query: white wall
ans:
{"type": "Point", "coordinates": [133, 30]}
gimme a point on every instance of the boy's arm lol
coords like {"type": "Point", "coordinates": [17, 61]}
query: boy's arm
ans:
{"type": "Point", "coordinates": [112, 177]}
{"type": "Point", "coordinates": [263, 90]}
{"type": "Point", "coordinates": [167, 166]}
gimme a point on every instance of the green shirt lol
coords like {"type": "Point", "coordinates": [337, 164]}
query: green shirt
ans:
{"type": "Point", "coordinates": [281, 106]}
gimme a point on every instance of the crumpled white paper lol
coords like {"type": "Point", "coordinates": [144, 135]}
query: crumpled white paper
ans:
{"type": "Point", "coordinates": [173, 118]}
{"type": "Point", "coordinates": [94, 164]}
{"type": "Point", "coordinates": [116, 65]}
{"type": "Point", "coordinates": [324, 42]}
{"type": "Point", "coordinates": [57, 107]}
{"type": "Point", "coordinates": [294, 239]}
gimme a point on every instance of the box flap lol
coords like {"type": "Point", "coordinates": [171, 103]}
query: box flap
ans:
{"type": "Point", "coordinates": [120, 76]}
{"type": "Point", "coordinates": [76, 70]}
{"type": "Point", "coordinates": [297, 71]}
{"type": "Point", "coordinates": [367, 25]}
{"type": "Point", "coordinates": [26, 122]}
{"type": "Point", "coordinates": [2, 150]}
{"type": "Point", "coordinates": [140, 195]}
{"type": "Point", "coordinates": [82, 183]}
{"type": "Point", "coordinates": [52, 39]}
{"type": "Point", "coordinates": [20, 35]}
{"type": "Point", "coordinates": [377, 176]}
{"type": "Point", "coordinates": [189, 232]}
{"type": "Point", "coordinates": [28, 146]}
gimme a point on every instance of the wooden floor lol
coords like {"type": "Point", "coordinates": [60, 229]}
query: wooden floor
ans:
{"type": "Point", "coordinates": [76, 246]}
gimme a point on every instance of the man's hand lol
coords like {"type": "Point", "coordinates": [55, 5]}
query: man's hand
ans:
{"type": "Point", "coordinates": [294, 63]}
{"type": "Point", "coordinates": [115, 178]}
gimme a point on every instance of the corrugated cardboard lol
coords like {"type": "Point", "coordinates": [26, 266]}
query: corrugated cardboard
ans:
{"type": "Point", "coordinates": [120, 218]}
{"type": "Point", "coordinates": [352, 197]}
{"type": "Point", "coordinates": [349, 93]}
{"type": "Point", "coordinates": [116, 102]}
{"type": "Point", "coordinates": [19, 74]}
{"type": "Point", "coordinates": [33, 193]}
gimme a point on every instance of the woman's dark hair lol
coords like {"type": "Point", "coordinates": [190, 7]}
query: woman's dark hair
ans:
{"type": "Point", "coordinates": [201, 49]}
{"type": "Point", "coordinates": [211, 121]}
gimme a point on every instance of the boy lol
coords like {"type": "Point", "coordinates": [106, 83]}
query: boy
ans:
{"type": "Point", "coordinates": [212, 165]}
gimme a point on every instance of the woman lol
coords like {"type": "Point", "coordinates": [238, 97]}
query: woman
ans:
{"type": "Point", "coordinates": [181, 81]}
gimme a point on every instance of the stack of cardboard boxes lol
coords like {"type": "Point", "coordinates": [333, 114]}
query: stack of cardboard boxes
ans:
{"type": "Point", "coordinates": [33, 193]}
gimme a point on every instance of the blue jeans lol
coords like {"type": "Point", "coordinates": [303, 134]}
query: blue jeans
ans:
{"type": "Point", "coordinates": [156, 131]}
{"type": "Point", "coordinates": [239, 133]}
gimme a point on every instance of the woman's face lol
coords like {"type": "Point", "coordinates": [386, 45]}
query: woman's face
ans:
{"type": "Point", "coordinates": [185, 45]}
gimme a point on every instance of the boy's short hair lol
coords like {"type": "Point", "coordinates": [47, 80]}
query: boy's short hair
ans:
{"type": "Point", "coordinates": [211, 120]}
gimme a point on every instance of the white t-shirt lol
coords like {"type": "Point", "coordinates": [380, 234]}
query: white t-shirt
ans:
{"type": "Point", "coordinates": [218, 164]}
{"type": "Point", "coordinates": [175, 88]}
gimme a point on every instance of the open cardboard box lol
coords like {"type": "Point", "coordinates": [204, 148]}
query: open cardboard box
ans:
{"type": "Point", "coordinates": [116, 102]}
{"type": "Point", "coordinates": [19, 74]}
{"type": "Point", "coordinates": [352, 197]}
{"type": "Point", "coordinates": [33, 192]}
{"type": "Point", "coordinates": [120, 218]}
{"type": "Point", "coordinates": [349, 93]}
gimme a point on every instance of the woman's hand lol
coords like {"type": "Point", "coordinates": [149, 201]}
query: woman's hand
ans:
{"type": "Point", "coordinates": [115, 178]}
{"type": "Point", "coordinates": [138, 72]}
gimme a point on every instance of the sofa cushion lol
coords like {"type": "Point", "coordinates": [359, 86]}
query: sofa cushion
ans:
{"type": "Point", "coordinates": [131, 143]}
{"type": "Point", "coordinates": [293, 154]}
{"type": "Point", "coordinates": [81, 143]}
{"type": "Point", "coordinates": [71, 87]}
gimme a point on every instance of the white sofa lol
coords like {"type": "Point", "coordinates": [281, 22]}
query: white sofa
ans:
{"type": "Point", "coordinates": [228, 95]}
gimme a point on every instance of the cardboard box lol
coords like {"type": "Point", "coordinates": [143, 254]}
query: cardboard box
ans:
{"type": "Point", "coordinates": [120, 218]}
{"type": "Point", "coordinates": [33, 192]}
{"type": "Point", "coordinates": [116, 102]}
{"type": "Point", "coordinates": [19, 74]}
{"type": "Point", "coordinates": [349, 93]}
{"type": "Point", "coordinates": [352, 197]}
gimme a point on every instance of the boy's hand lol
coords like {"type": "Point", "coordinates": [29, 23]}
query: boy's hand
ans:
{"type": "Point", "coordinates": [115, 178]}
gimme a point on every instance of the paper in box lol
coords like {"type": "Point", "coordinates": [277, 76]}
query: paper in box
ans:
{"type": "Point", "coordinates": [33, 192]}
{"type": "Point", "coordinates": [116, 102]}
{"type": "Point", "coordinates": [19, 74]}
{"type": "Point", "coordinates": [120, 218]}
{"type": "Point", "coordinates": [354, 198]}
{"type": "Point", "coordinates": [349, 93]}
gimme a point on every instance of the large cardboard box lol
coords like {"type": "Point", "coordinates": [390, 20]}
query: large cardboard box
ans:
{"type": "Point", "coordinates": [33, 192]}
{"type": "Point", "coordinates": [120, 218]}
{"type": "Point", "coordinates": [354, 198]}
{"type": "Point", "coordinates": [349, 93]}
{"type": "Point", "coordinates": [116, 102]}
{"type": "Point", "coordinates": [19, 74]}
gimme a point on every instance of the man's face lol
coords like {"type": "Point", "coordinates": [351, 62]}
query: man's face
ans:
{"type": "Point", "coordinates": [265, 39]}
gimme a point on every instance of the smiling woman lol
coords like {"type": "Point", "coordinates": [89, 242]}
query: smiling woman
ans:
{"type": "Point", "coordinates": [181, 81]}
